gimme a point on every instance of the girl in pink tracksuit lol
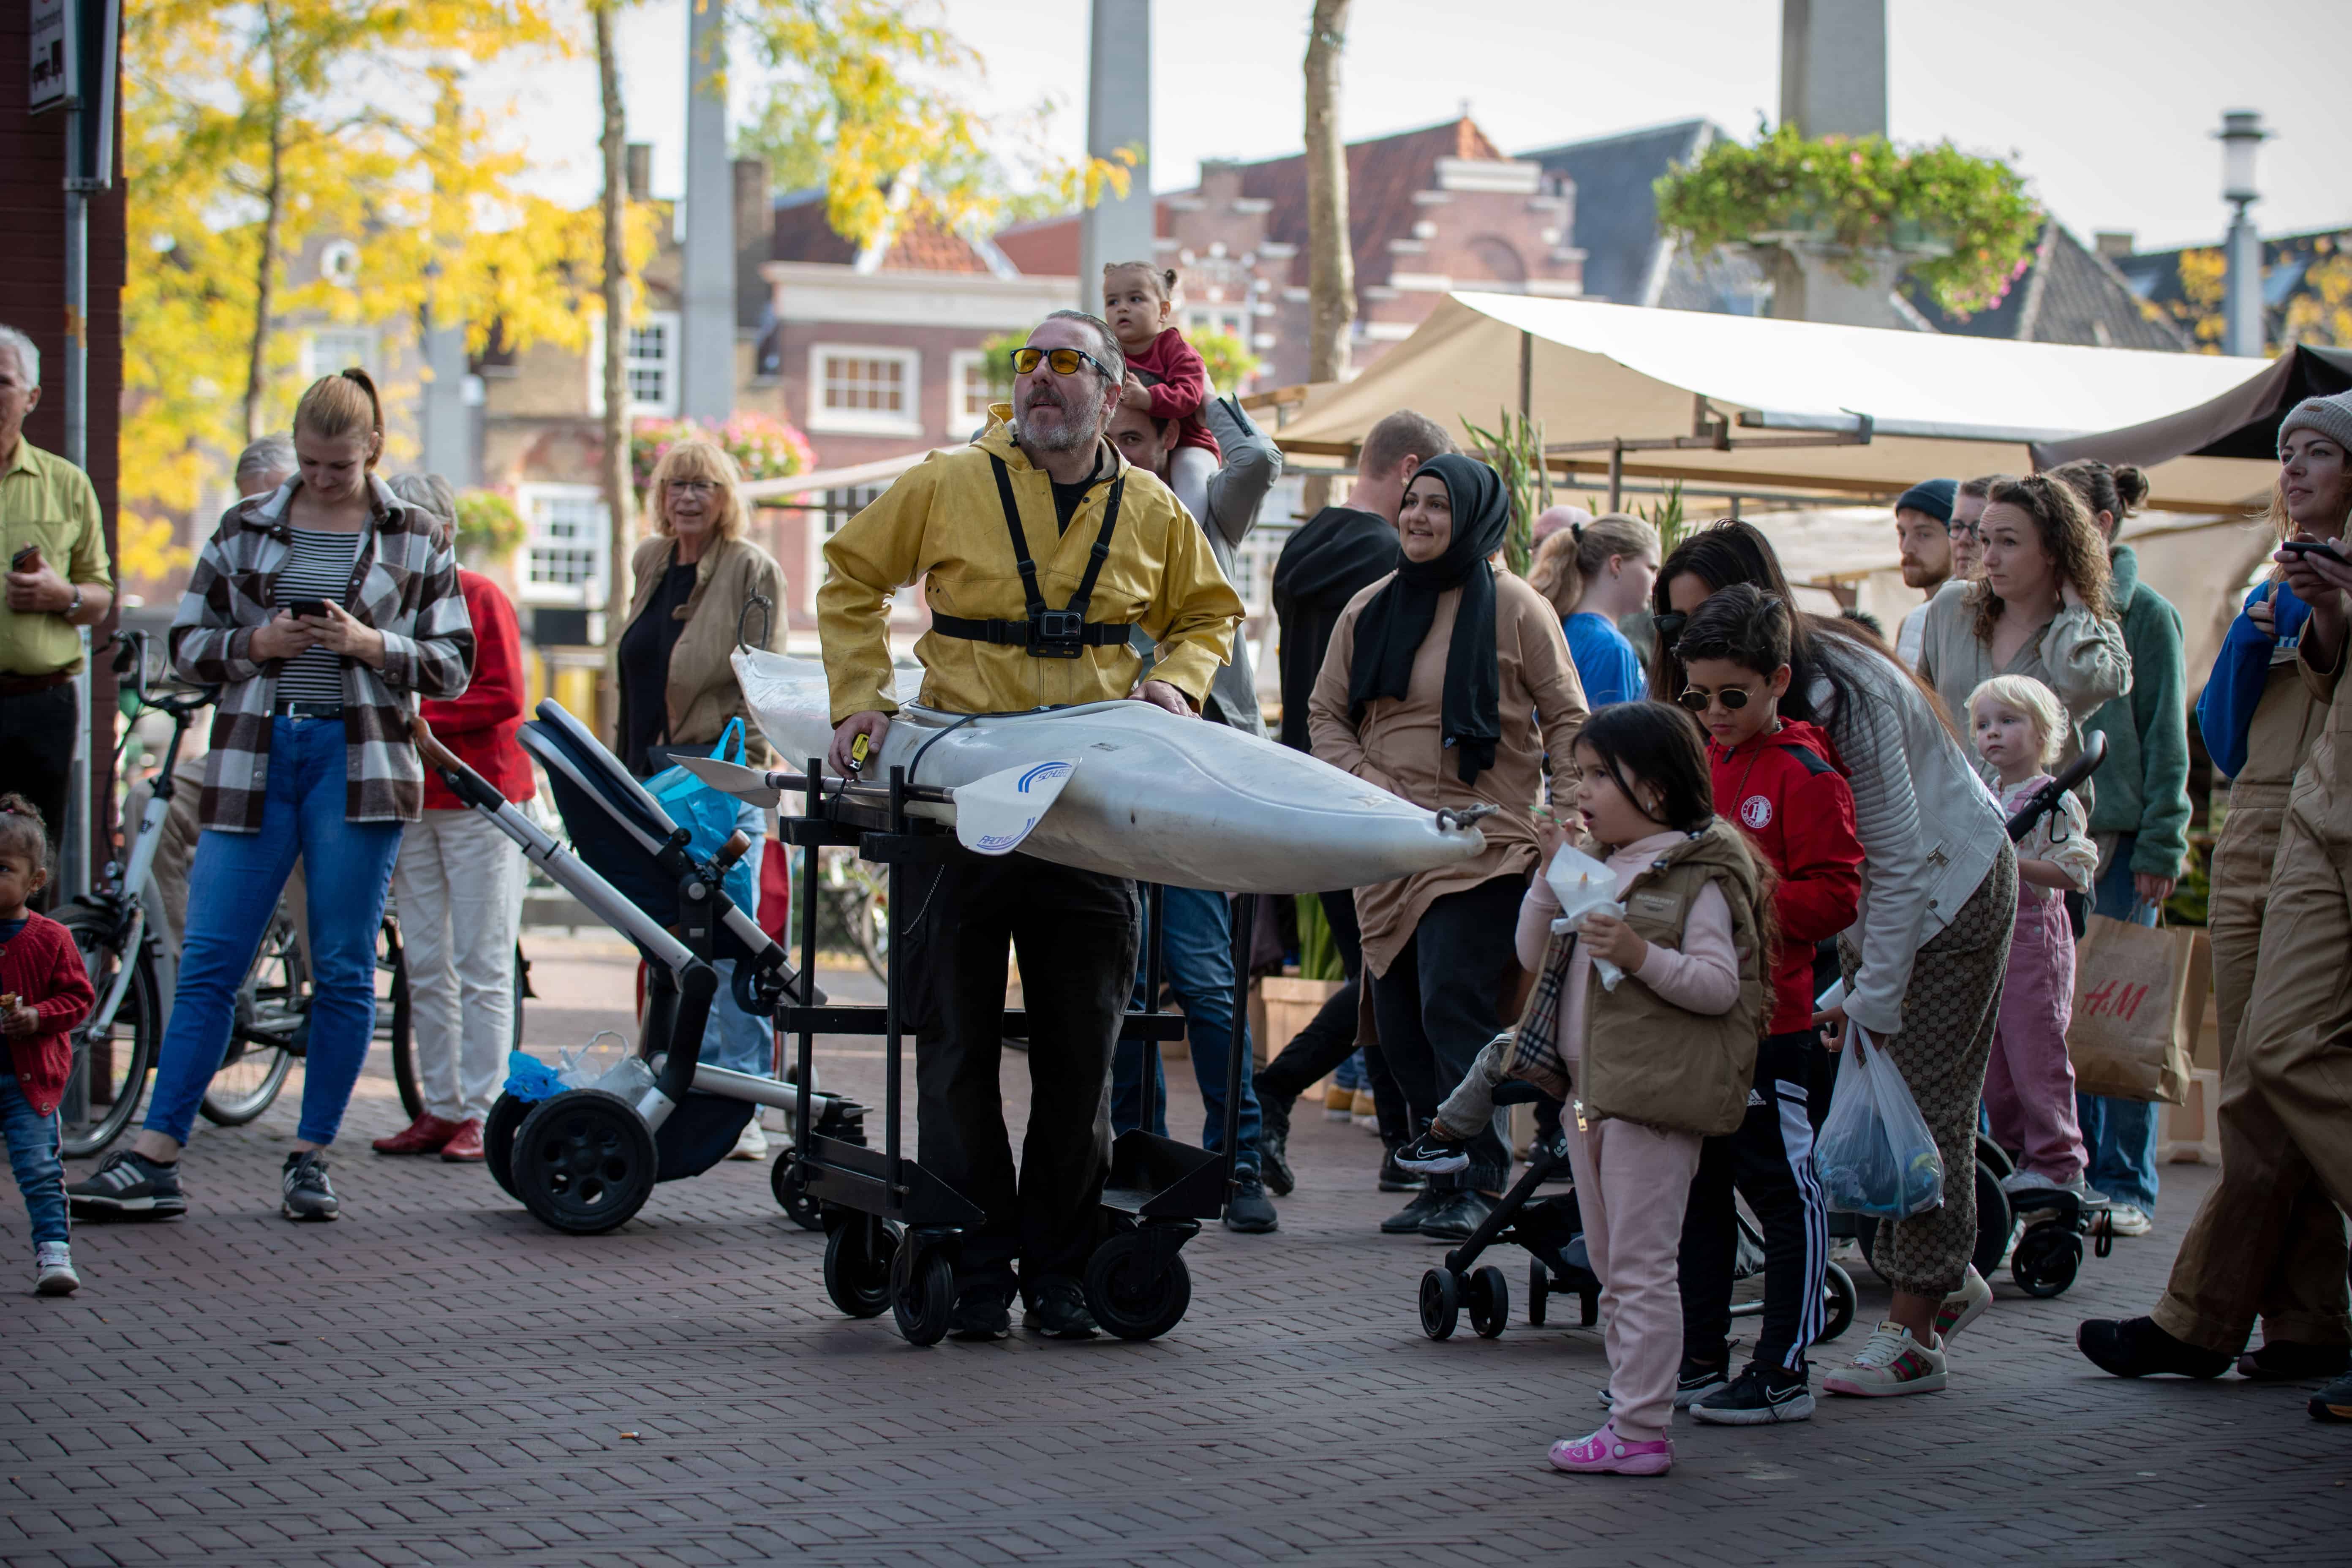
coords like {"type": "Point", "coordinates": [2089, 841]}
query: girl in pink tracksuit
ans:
{"type": "Point", "coordinates": [2020, 727]}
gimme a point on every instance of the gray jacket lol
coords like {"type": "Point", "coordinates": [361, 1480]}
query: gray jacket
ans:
{"type": "Point", "coordinates": [1236, 490]}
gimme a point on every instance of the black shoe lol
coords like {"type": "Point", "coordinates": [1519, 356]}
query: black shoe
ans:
{"type": "Point", "coordinates": [1463, 1210]}
{"type": "Point", "coordinates": [307, 1195]}
{"type": "Point", "coordinates": [1249, 1211]}
{"type": "Point", "coordinates": [1698, 1379]}
{"type": "Point", "coordinates": [1432, 1155]}
{"type": "Point", "coordinates": [2136, 1347]}
{"type": "Point", "coordinates": [1758, 1397]}
{"type": "Point", "coordinates": [1407, 1220]}
{"type": "Point", "coordinates": [1552, 1146]}
{"type": "Point", "coordinates": [2332, 1402]}
{"type": "Point", "coordinates": [980, 1314]}
{"type": "Point", "coordinates": [1395, 1178]}
{"type": "Point", "coordinates": [1273, 1159]}
{"type": "Point", "coordinates": [130, 1184]}
{"type": "Point", "coordinates": [2283, 1360]}
{"type": "Point", "coordinates": [1273, 1109]}
{"type": "Point", "coordinates": [1058, 1310]}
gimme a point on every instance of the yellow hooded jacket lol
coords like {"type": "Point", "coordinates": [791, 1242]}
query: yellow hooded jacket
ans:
{"type": "Point", "coordinates": [943, 524]}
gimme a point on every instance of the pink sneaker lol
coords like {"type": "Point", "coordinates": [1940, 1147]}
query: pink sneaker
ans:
{"type": "Point", "coordinates": [1606, 1453]}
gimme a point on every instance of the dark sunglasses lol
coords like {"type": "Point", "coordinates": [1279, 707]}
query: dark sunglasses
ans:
{"type": "Point", "coordinates": [1670, 626]}
{"type": "Point", "coordinates": [1733, 698]}
{"type": "Point", "coordinates": [1066, 361]}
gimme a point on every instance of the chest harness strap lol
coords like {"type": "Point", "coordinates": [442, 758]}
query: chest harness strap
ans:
{"type": "Point", "coordinates": [1047, 634]}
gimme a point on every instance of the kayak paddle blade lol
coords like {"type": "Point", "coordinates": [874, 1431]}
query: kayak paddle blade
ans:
{"type": "Point", "coordinates": [993, 815]}
{"type": "Point", "coordinates": [732, 778]}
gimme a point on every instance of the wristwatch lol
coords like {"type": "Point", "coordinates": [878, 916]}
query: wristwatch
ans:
{"type": "Point", "coordinates": [73, 607]}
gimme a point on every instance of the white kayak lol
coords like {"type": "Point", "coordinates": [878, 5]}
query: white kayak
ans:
{"type": "Point", "coordinates": [1152, 796]}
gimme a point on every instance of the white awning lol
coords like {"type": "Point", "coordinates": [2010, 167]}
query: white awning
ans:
{"type": "Point", "coordinates": [786, 492]}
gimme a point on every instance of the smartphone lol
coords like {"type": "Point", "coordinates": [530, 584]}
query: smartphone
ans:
{"type": "Point", "coordinates": [24, 560]}
{"type": "Point", "coordinates": [311, 607]}
{"type": "Point", "coordinates": [2313, 547]}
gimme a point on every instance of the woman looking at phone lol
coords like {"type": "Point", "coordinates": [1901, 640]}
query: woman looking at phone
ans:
{"type": "Point", "coordinates": [322, 610]}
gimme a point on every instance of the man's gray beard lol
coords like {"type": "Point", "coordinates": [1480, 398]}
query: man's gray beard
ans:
{"type": "Point", "coordinates": [1068, 438]}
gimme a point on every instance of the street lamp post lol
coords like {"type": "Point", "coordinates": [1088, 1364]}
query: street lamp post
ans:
{"type": "Point", "coordinates": [2240, 135]}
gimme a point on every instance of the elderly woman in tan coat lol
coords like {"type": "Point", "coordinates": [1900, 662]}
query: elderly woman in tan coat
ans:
{"type": "Point", "coordinates": [1446, 682]}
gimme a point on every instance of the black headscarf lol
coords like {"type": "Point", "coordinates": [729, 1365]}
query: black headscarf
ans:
{"type": "Point", "coordinates": [1393, 625]}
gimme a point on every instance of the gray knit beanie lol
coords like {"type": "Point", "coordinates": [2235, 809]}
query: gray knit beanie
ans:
{"type": "Point", "coordinates": [2331, 416]}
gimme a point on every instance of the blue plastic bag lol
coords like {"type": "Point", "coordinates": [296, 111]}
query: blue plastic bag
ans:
{"type": "Point", "coordinates": [709, 815]}
{"type": "Point", "coordinates": [530, 1080]}
{"type": "Point", "coordinates": [1874, 1155]}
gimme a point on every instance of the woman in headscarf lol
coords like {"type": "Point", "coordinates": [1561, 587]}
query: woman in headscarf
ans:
{"type": "Point", "coordinates": [1446, 682]}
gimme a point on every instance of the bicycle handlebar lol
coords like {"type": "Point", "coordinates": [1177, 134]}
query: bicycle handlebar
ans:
{"type": "Point", "coordinates": [130, 659]}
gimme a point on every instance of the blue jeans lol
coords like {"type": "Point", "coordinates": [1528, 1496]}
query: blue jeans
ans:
{"type": "Point", "coordinates": [1197, 961]}
{"type": "Point", "coordinates": [734, 1038]}
{"type": "Point", "coordinates": [33, 1155]}
{"type": "Point", "coordinates": [2120, 1134]}
{"type": "Point", "coordinates": [234, 887]}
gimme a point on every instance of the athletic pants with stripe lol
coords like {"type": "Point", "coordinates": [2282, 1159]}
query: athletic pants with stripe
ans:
{"type": "Point", "coordinates": [1769, 1162]}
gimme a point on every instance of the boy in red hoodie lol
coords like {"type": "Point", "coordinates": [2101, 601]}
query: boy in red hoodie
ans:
{"type": "Point", "coordinates": [1780, 780]}
{"type": "Point", "coordinates": [44, 992]}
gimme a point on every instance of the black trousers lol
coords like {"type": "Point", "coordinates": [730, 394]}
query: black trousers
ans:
{"type": "Point", "coordinates": [1330, 1038]}
{"type": "Point", "coordinates": [37, 746]}
{"type": "Point", "coordinates": [1437, 1008]}
{"type": "Point", "coordinates": [1769, 1162]}
{"type": "Point", "coordinates": [1076, 933]}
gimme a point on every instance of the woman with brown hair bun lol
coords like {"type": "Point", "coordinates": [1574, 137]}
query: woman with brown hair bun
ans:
{"type": "Point", "coordinates": [322, 611]}
{"type": "Point", "coordinates": [1595, 575]}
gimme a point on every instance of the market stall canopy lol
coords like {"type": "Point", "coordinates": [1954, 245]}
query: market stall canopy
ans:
{"type": "Point", "coordinates": [2242, 423]}
{"type": "Point", "coordinates": [1749, 406]}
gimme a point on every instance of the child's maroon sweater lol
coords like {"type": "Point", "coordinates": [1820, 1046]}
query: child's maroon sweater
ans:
{"type": "Point", "coordinates": [41, 965]}
{"type": "Point", "coordinates": [1183, 387]}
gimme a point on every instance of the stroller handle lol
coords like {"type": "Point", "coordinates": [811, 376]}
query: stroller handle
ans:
{"type": "Point", "coordinates": [464, 782]}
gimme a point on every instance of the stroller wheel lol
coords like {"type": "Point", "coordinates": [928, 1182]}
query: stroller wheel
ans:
{"type": "Point", "coordinates": [1128, 1296]}
{"type": "Point", "coordinates": [2046, 1260]}
{"type": "Point", "coordinates": [1441, 1302]}
{"type": "Point", "coordinates": [1490, 1302]}
{"type": "Point", "coordinates": [584, 1162]}
{"type": "Point", "coordinates": [788, 1179]}
{"type": "Point", "coordinates": [1995, 1223]}
{"type": "Point", "coordinates": [1837, 1300]}
{"type": "Point", "coordinates": [499, 1137]}
{"type": "Point", "coordinates": [858, 1258]}
{"type": "Point", "coordinates": [1539, 1287]}
{"type": "Point", "coordinates": [922, 1292]}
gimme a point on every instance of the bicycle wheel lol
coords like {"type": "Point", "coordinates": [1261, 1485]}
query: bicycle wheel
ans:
{"type": "Point", "coordinates": [117, 1060]}
{"type": "Point", "coordinates": [395, 1023]}
{"type": "Point", "coordinates": [272, 1006]}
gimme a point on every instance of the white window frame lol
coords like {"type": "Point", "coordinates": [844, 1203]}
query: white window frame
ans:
{"type": "Point", "coordinates": [531, 500]}
{"type": "Point", "coordinates": [667, 363]}
{"type": "Point", "coordinates": [865, 421]}
{"type": "Point", "coordinates": [962, 418]}
{"type": "Point", "coordinates": [315, 366]}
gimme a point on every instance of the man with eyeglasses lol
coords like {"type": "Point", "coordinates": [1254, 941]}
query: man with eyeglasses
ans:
{"type": "Point", "coordinates": [1966, 529]}
{"type": "Point", "coordinates": [1923, 523]}
{"type": "Point", "coordinates": [1038, 548]}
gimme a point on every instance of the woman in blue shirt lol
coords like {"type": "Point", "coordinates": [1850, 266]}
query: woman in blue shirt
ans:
{"type": "Point", "coordinates": [1595, 573]}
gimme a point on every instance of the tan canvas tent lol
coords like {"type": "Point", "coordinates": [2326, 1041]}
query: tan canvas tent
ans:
{"type": "Point", "coordinates": [1747, 406]}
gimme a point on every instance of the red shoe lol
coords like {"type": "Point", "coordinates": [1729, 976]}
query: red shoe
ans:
{"type": "Point", "coordinates": [427, 1135]}
{"type": "Point", "coordinates": [465, 1146]}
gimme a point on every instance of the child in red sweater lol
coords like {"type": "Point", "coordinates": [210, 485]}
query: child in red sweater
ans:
{"type": "Point", "coordinates": [1138, 300]}
{"type": "Point", "coordinates": [1779, 780]}
{"type": "Point", "coordinates": [45, 991]}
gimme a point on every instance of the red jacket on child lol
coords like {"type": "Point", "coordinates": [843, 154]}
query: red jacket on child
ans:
{"type": "Point", "coordinates": [1786, 792]}
{"type": "Point", "coordinates": [1183, 387]}
{"type": "Point", "coordinates": [480, 726]}
{"type": "Point", "coordinates": [43, 968]}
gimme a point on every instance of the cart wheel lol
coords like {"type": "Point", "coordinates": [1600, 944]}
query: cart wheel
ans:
{"type": "Point", "coordinates": [584, 1162]}
{"type": "Point", "coordinates": [2046, 1260]}
{"type": "Point", "coordinates": [1441, 1302]}
{"type": "Point", "coordinates": [1538, 1287]}
{"type": "Point", "coordinates": [858, 1257]}
{"type": "Point", "coordinates": [1837, 1298]}
{"type": "Point", "coordinates": [1490, 1302]}
{"type": "Point", "coordinates": [922, 1292]}
{"type": "Point", "coordinates": [498, 1131]}
{"type": "Point", "coordinates": [1131, 1300]}
{"type": "Point", "coordinates": [788, 1179]}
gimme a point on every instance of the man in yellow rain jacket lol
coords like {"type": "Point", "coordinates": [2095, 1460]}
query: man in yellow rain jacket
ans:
{"type": "Point", "coordinates": [1038, 547]}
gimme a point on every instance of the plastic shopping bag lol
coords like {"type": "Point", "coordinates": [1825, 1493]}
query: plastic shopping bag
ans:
{"type": "Point", "coordinates": [709, 814]}
{"type": "Point", "coordinates": [1874, 1155]}
{"type": "Point", "coordinates": [1582, 885]}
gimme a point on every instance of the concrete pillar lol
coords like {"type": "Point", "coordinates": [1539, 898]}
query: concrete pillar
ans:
{"type": "Point", "coordinates": [1833, 67]}
{"type": "Point", "coordinates": [706, 364]}
{"type": "Point", "coordinates": [447, 433]}
{"type": "Point", "coordinates": [1809, 284]}
{"type": "Point", "coordinates": [1119, 115]}
{"type": "Point", "coordinates": [2243, 330]}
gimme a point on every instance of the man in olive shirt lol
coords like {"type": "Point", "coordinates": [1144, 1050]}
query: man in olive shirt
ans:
{"type": "Point", "coordinates": [58, 579]}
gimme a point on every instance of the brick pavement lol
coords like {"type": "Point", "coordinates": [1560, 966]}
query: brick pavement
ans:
{"type": "Point", "coordinates": [437, 1380]}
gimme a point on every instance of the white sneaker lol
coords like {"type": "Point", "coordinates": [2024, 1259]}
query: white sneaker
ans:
{"type": "Point", "coordinates": [1891, 1363]}
{"type": "Point", "coordinates": [753, 1144]}
{"type": "Point", "coordinates": [54, 1276]}
{"type": "Point", "coordinates": [2129, 1219]}
{"type": "Point", "coordinates": [1963, 1307]}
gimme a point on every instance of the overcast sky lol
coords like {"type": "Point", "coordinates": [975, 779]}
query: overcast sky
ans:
{"type": "Point", "coordinates": [2107, 108]}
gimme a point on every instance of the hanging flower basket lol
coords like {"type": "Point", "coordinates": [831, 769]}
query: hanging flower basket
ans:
{"type": "Point", "coordinates": [762, 445]}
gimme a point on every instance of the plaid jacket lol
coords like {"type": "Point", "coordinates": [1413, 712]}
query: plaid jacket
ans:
{"type": "Point", "coordinates": [404, 584]}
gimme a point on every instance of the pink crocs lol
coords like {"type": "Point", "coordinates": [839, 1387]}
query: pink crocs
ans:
{"type": "Point", "coordinates": [1606, 1453]}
